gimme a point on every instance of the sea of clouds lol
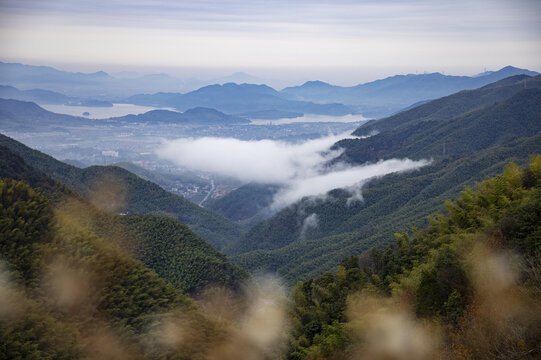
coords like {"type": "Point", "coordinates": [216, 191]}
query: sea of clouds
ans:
{"type": "Point", "coordinates": [300, 169]}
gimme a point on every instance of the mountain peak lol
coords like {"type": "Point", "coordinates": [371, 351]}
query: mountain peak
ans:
{"type": "Point", "coordinates": [315, 83]}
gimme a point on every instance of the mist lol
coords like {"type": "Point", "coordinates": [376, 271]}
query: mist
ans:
{"type": "Point", "coordinates": [300, 169]}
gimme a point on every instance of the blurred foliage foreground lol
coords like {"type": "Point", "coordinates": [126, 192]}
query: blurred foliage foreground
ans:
{"type": "Point", "coordinates": [467, 287]}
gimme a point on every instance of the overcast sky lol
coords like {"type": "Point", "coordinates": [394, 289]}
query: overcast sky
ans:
{"type": "Point", "coordinates": [341, 41]}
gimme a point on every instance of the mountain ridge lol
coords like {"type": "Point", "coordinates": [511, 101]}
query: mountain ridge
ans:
{"type": "Point", "coordinates": [135, 195]}
{"type": "Point", "coordinates": [508, 129]}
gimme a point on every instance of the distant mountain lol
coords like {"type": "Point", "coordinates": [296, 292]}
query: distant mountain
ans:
{"type": "Point", "coordinates": [199, 115]}
{"type": "Point", "coordinates": [468, 135]}
{"type": "Point", "coordinates": [41, 96]}
{"type": "Point", "coordinates": [22, 115]}
{"type": "Point", "coordinates": [114, 189]}
{"type": "Point", "coordinates": [18, 115]}
{"type": "Point", "coordinates": [233, 99]}
{"type": "Point", "coordinates": [386, 96]}
{"type": "Point", "coordinates": [99, 85]}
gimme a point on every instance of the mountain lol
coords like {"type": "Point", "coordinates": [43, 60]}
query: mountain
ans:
{"type": "Point", "coordinates": [23, 115]}
{"type": "Point", "coordinates": [19, 115]}
{"type": "Point", "coordinates": [461, 123]}
{"type": "Point", "coordinates": [36, 95]}
{"type": "Point", "coordinates": [41, 96]}
{"type": "Point", "coordinates": [233, 98]}
{"type": "Point", "coordinates": [385, 96]}
{"type": "Point", "coordinates": [199, 115]}
{"type": "Point", "coordinates": [115, 189]}
{"type": "Point", "coordinates": [458, 275]}
{"type": "Point", "coordinates": [69, 294]}
{"type": "Point", "coordinates": [481, 130]}
{"type": "Point", "coordinates": [246, 205]}
{"type": "Point", "coordinates": [163, 244]}
{"type": "Point", "coordinates": [99, 85]}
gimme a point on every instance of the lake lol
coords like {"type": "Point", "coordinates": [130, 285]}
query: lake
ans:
{"type": "Point", "coordinates": [101, 112]}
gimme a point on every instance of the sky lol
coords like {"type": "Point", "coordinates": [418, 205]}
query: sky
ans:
{"type": "Point", "coordinates": [341, 41]}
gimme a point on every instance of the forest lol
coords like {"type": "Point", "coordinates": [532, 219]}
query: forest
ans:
{"type": "Point", "coordinates": [467, 286]}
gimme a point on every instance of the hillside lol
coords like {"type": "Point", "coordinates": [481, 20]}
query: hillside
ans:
{"type": "Point", "coordinates": [163, 244]}
{"type": "Point", "coordinates": [244, 205]}
{"type": "Point", "coordinates": [466, 285]}
{"type": "Point", "coordinates": [115, 189]}
{"type": "Point", "coordinates": [385, 96]}
{"type": "Point", "coordinates": [68, 294]}
{"type": "Point", "coordinates": [18, 115]}
{"type": "Point", "coordinates": [499, 133]}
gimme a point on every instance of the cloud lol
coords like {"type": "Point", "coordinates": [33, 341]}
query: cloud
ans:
{"type": "Point", "coordinates": [310, 222]}
{"type": "Point", "coordinates": [350, 178]}
{"type": "Point", "coordinates": [299, 169]}
{"type": "Point", "coordinates": [262, 161]}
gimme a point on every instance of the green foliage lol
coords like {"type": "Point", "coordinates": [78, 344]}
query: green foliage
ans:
{"type": "Point", "coordinates": [113, 188]}
{"type": "Point", "coordinates": [24, 223]}
{"type": "Point", "coordinates": [481, 130]}
{"type": "Point", "coordinates": [74, 282]}
{"type": "Point", "coordinates": [244, 204]}
{"type": "Point", "coordinates": [430, 265]}
{"type": "Point", "coordinates": [163, 244]}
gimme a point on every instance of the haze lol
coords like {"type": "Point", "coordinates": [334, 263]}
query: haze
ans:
{"type": "Point", "coordinates": [344, 42]}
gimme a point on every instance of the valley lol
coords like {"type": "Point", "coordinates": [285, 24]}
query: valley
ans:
{"type": "Point", "coordinates": [176, 211]}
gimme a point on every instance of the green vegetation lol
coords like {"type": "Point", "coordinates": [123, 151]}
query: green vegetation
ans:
{"type": "Point", "coordinates": [68, 294]}
{"type": "Point", "coordinates": [481, 131]}
{"type": "Point", "coordinates": [115, 189]}
{"type": "Point", "coordinates": [468, 284]}
{"type": "Point", "coordinates": [244, 205]}
{"type": "Point", "coordinates": [162, 244]}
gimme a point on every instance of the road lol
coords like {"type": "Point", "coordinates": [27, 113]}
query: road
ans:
{"type": "Point", "coordinates": [209, 193]}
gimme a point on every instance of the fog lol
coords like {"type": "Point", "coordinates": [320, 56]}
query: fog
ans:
{"type": "Point", "coordinates": [300, 169]}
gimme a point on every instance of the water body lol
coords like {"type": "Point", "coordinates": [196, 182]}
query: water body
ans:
{"type": "Point", "coordinates": [101, 112]}
{"type": "Point", "coordinates": [312, 119]}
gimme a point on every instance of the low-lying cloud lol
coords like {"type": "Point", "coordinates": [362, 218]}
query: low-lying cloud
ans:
{"type": "Point", "coordinates": [299, 168]}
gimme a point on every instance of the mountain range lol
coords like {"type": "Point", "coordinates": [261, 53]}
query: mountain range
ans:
{"type": "Point", "coordinates": [385, 96]}
{"type": "Point", "coordinates": [25, 115]}
{"type": "Point", "coordinates": [97, 262]}
{"type": "Point", "coordinates": [197, 115]}
{"type": "Point", "coordinates": [481, 131]}
{"type": "Point", "coordinates": [234, 98]}
{"type": "Point", "coordinates": [374, 99]}
{"type": "Point", "coordinates": [41, 96]}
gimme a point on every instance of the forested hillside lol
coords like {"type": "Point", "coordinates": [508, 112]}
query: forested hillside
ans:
{"type": "Point", "coordinates": [67, 294]}
{"type": "Point", "coordinates": [114, 189]}
{"type": "Point", "coordinates": [163, 244]}
{"type": "Point", "coordinates": [461, 123]}
{"type": "Point", "coordinates": [245, 204]}
{"type": "Point", "coordinates": [467, 286]}
{"type": "Point", "coordinates": [482, 130]}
